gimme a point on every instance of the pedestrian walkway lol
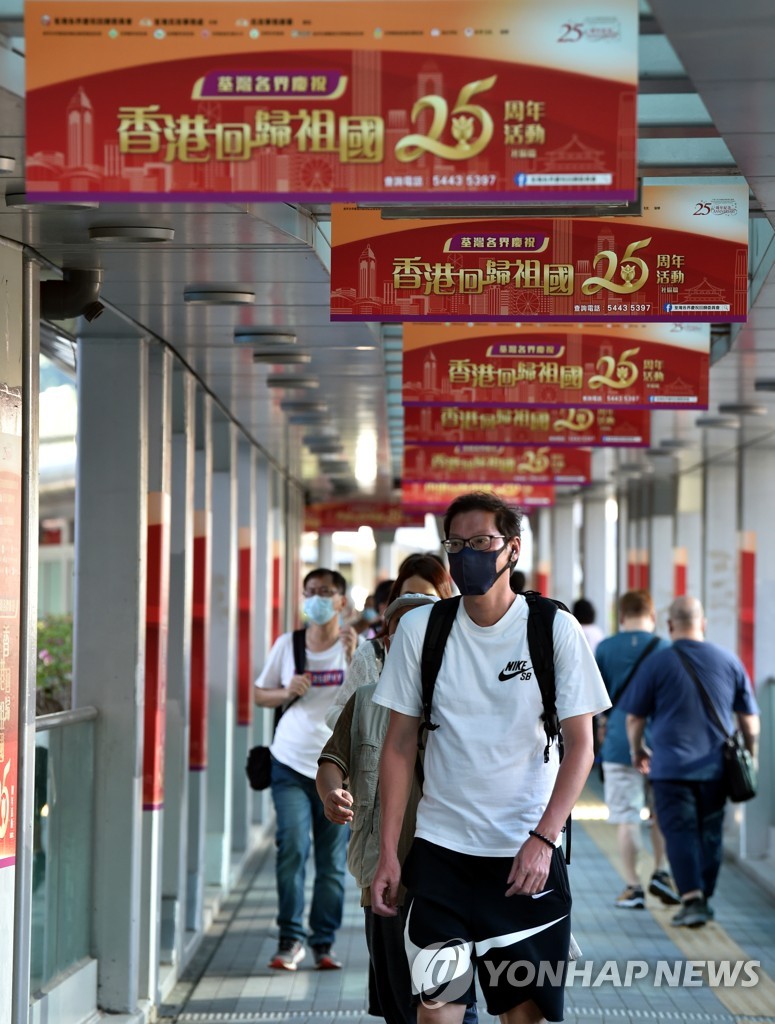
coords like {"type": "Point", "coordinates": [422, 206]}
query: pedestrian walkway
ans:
{"type": "Point", "coordinates": [635, 966]}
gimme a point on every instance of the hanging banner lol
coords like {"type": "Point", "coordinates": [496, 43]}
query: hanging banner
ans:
{"type": "Point", "coordinates": [684, 260]}
{"type": "Point", "coordinates": [641, 366]}
{"type": "Point", "coordinates": [310, 101]}
{"type": "Point", "coordinates": [327, 517]}
{"type": "Point", "coordinates": [437, 497]}
{"type": "Point", "coordinates": [496, 464]}
{"type": "Point", "coordinates": [591, 428]}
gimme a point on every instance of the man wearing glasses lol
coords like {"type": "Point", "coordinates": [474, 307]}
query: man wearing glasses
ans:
{"type": "Point", "coordinates": [488, 888]}
{"type": "Point", "coordinates": [300, 736]}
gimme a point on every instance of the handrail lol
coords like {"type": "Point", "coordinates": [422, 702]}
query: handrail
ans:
{"type": "Point", "coordinates": [59, 719]}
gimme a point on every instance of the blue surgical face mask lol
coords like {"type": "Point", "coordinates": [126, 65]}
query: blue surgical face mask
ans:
{"type": "Point", "coordinates": [474, 572]}
{"type": "Point", "coordinates": [319, 610]}
{"type": "Point", "coordinates": [370, 614]}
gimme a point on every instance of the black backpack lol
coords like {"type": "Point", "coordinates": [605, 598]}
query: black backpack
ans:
{"type": "Point", "coordinates": [259, 767]}
{"type": "Point", "coordinates": [540, 639]}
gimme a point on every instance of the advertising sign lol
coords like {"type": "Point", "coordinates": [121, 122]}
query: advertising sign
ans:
{"type": "Point", "coordinates": [685, 260]}
{"type": "Point", "coordinates": [310, 101]}
{"type": "Point", "coordinates": [436, 497]}
{"type": "Point", "coordinates": [326, 517]}
{"type": "Point", "coordinates": [525, 425]}
{"type": "Point", "coordinates": [497, 464]}
{"type": "Point", "coordinates": [640, 366]}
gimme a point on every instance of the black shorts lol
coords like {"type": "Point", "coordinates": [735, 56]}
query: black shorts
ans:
{"type": "Point", "coordinates": [459, 922]}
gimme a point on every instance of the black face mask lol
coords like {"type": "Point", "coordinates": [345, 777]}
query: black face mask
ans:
{"type": "Point", "coordinates": [474, 572]}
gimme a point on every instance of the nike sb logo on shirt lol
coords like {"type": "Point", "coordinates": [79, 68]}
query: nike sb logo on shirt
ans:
{"type": "Point", "coordinates": [514, 669]}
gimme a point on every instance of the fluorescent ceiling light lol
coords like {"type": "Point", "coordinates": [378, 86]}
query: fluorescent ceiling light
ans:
{"type": "Point", "coordinates": [724, 422]}
{"type": "Point", "coordinates": [130, 233]}
{"type": "Point", "coordinates": [742, 409]}
{"type": "Point", "coordinates": [292, 381]}
{"type": "Point", "coordinates": [280, 358]}
{"type": "Point", "coordinates": [764, 384]}
{"type": "Point", "coordinates": [19, 201]}
{"type": "Point", "coordinates": [218, 297]}
{"type": "Point", "coordinates": [262, 336]}
{"type": "Point", "coordinates": [366, 457]}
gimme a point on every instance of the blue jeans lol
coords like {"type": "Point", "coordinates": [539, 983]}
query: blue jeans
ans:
{"type": "Point", "coordinates": [300, 818]}
{"type": "Point", "coordinates": [691, 817]}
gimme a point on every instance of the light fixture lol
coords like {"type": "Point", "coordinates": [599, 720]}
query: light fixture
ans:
{"type": "Point", "coordinates": [324, 446]}
{"type": "Point", "coordinates": [262, 336]}
{"type": "Point", "coordinates": [764, 384]}
{"type": "Point", "coordinates": [20, 201]}
{"type": "Point", "coordinates": [722, 422]}
{"type": "Point", "coordinates": [280, 358]}
{"type": "Point", "coordinates": [303, 406]}
{"type": "Point", "coordinates": [7, 165]}
{"type": "Point", "coordinates": [218, 297]}
{"type": "Point", "coordinates": [742, 409]}
{"type": "Point", "coordinates": [130, 233]}
{"type": "Point", "coordinates": [308, 419]}
{"type": "Point", "coordinates": [292, 381]}
{"type": "Point", "coordinates": [675, 443]}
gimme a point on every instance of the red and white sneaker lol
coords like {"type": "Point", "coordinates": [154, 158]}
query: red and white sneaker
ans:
{"type": "Point", "coordinates": [289, 955]}
{"type": "Point", "coordinates": [325, 958]}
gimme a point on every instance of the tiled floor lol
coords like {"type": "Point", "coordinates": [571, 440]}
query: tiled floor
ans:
{"type": "Point", "coordinates": [230, 983]}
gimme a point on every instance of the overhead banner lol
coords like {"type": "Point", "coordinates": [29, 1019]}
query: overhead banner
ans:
{"type": "Point", "coordinates": [307, 101]}
{"type": "Point", "coordinates": [326, 517]}
{"type": "Point", "coordinates": [684, 260]}
{"type": "Point", "coordinates": [497, 464]}
{"type": "Point", "coordinates": [641, 366]}
{"type": "Point", "coordinates": [436, 498]}
{"type": "Point", "coordinates": [525, 425]}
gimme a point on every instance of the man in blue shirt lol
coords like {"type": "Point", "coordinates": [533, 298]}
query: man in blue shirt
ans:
{"type": "Point", "coordinates": [618, 658]}
{"type": "Point", "coordinates": [685, 764]}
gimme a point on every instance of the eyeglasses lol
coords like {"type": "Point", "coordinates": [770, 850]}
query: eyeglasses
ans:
{"type": "Point", "coordinates": [321, 592]}
{"type": "Point", "coordinates": [482, 542]}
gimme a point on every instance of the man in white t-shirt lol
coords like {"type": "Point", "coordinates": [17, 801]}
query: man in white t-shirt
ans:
{"type": "Point", "coordinates": [486, 878]}
{"type": "Point", "coordinates": [300, 736]}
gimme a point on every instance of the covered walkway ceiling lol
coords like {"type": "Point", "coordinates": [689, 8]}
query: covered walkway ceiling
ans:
{"type": "Point", "coordinates": [706, 108]}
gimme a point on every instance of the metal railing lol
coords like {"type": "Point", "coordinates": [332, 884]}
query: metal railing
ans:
{"type": "Point", "coordinates": [61, 868]}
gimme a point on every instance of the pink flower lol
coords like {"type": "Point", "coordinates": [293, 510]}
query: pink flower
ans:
{"type": "Point", "coordinates": [45, 657]}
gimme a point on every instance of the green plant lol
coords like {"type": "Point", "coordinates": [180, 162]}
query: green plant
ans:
{"type": "Point", "coordinates": [54, 664]}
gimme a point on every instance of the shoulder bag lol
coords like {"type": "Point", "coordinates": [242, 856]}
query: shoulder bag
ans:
{"type": "Point", "coordinates": [739, 768]}
{"type": "Point", "coordinates": [259, 763]}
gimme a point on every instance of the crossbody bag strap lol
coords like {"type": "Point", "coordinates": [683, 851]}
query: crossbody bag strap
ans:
{"type": "Point", "coordinates": [299, 642]}
{"type": "Point", "coordinates": [641, 657]}
{"type": "Point", "coordinates": [709, 705]}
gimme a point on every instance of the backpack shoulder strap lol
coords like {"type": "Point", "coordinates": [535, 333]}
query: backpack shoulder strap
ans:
{"type": "Point", "coordinates": [379, 653]}
{"type": "Point", "coordinates": [299, 651]}
{"type": "Point", "coordinates": [439, 625]}
{"type": "Point", "coordinates": [540, 640]}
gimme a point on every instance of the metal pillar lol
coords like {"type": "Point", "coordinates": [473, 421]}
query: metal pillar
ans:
{"type": "Point", "coordinates": [721, 525]}
{"type": "Point", "coordinates": [176, 774]}
{"type": "Point", "coordinates": [689, 527]}
{"type": "Point", "coordinates": [326, 550]}
{"type": "Point", "coordinates": [596, 552]}
{"type": "Point", "coordinates": [223, 627]}
{"type": "Point", "coordinates": [661, 541]}
{"type": "Point", "coordinates": [110, 586]}
{"type": "Point", "coordinates": [384, 556]}
{"type": "Point", "coordinates": [565, 550]}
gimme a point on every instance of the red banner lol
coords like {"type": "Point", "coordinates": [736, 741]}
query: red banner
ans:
{"type": "Point", "coordinates": [10, 617]}
{"type": "Point", "coordinates": [641, 366]}
{"type": "Point", "coordinates": [685, 260]}
{"type": "Point", "coordinates": [497, 464]}
{"type": "Point", "coordinates": [624, 428]}
{"type": "Point", "coordinates": [156, 631]}
{"type": "Point", "coordinates": [200, 625]}
{"type": "Point", "coordinates": [327, 517]}
{"type": "Point", "coordinates": [244, 632]}
{"type": "Point", "coordinates": [437, 497]}
{"type": "Point", "coordinates": [440, 99]}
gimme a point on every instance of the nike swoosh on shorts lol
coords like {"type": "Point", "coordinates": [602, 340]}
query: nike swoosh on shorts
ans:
{"type": "Point", "coordinates": [510, 938]}
{"type": "Point", "coordinates": [538, 895]}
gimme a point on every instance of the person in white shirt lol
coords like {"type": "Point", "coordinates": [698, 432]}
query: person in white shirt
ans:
{"type": "Point", "coordinates": [486, 879]}
{"type": "Point", "coordinates": [300, 736]}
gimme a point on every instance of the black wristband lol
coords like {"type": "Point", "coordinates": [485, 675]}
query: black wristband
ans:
{"type": "Point", "coordinates": [537, 835]}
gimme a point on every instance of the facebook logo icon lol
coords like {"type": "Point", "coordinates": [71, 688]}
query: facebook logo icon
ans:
{"type": "Point", "coordinates": [520, 179]}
